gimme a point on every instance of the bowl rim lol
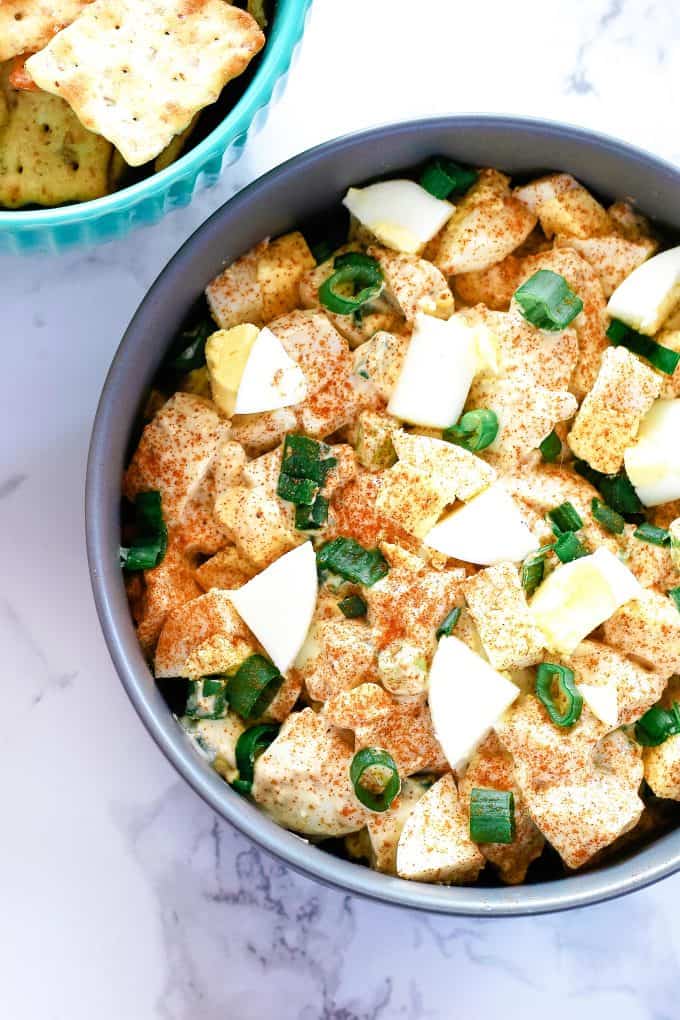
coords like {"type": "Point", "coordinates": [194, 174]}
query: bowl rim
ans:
{"type": "Point", "coordinates": [644, 868]}
{"type": "Point", "coordinates": [286, 31]}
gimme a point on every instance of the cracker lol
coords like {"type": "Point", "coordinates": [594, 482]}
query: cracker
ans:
{"type": "Point", "coordinates": [136, 71]}
{"type": "Point", "coordinates": [46, 156]}
{"type": "Point", "coordinates": [28, 25]}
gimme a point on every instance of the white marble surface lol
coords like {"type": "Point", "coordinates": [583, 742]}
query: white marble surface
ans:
{"type": "Point", "coordinates": [122, 897]}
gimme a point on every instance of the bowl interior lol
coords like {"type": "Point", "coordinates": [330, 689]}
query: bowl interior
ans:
{"type": "Point", "coordinates": [287, 196]}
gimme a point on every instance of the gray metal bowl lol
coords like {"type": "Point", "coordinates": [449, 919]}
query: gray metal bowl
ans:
{"type": "Point", "coordinates": [275, 203]}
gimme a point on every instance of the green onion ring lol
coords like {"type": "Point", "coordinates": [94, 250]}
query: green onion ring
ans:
{"type": "Point", "coordinates": [657, 725]}
{"type": "Point", "coordinates": [551, 447]}
{"type": "Point", "coordinates": [360, 270]}
{"type": "Point", "coordinates": [364, 759]}
{"type": "Point", "coordinates": [442, 177]}
{"type": "Point", "coordinates": [609, 519]}
{"type": "Point", "coordinates": [647, 532]}
{"type": "Point", "coordinates": [446, 627]}
{"type": "Point", "coordinates": [253, 686]}
{"type": "Point", "coordinates": [249, 747]}
{"type": "Point", "coordinates": [149, 548]}
{"type": "Point", "coordinates": [565, 517]}
{"type": "Point", "coordinates": [492, 816]}
{"type": "Point", "coordinates": [545, 674]}
{"type": "Point", "coordinates": [662, 358]}
{"type": "Point", "coordinates": [547, 301]}
{"type": "Point", "coordinates": [475, 431]}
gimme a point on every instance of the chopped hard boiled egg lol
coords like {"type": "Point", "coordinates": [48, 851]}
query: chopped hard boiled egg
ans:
{"type": "Point", "coordinates": [437, 372]}
{"type": "Point", "coordinates": [278, 604]}
{"type": "Point", "coordinates": [653, 463]}
{"type": "Point", "coordinates": [578, 596]}
{"type": "Point", "coordinates": [466, 697]}
{"type": "Point", "coordinates": [400, 213]}
{"type": "Point", "coordinates": [603, 702]}
{"type": "Point", "coordinates": [250, 371]}
{"type": "Point", "coordinates": [487, 530]}
{"type": "Point", "coordinates": [648, 295]}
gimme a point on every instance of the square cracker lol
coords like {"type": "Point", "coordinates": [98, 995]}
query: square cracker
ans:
{"type": "Point", "coordinates": [46, 155]}
{"type": "Point", "coordinates": [136, 71]}
{"type": "Point", "coordinates": [28, 25]}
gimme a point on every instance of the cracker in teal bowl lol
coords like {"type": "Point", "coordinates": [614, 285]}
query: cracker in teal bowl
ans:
{"type": "Point", "coordinates": [112, 111]}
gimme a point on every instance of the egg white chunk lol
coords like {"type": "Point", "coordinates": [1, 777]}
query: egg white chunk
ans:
{"type": "Point", "coordinates": [278, 604]}
{"type": "Point", "coordinates": [466, 697]}
{"type": "Point", "coordinates": [488, 529]}
{"type": "Point", "coordinates": [436, 374]}
{"type": "Point", "coordinates": [578, 596]}
{"type": "Point", "coordinates": [653, 462]}
{"type": "Point", "coordinates": [400, 213]}
{"type": "Point", "coordinates": [646, 298]}
{"type": "Point", "coordinates": [271, 379]}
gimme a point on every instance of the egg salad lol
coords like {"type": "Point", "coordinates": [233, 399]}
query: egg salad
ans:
{"type": "Point", "coordinates": [401, 535]}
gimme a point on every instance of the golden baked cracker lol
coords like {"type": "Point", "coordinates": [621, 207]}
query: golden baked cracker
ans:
{"type": "Point", "coordinates": [137, 72]}
{"type": "Point", "coordinates": [46, 156]}
{"type": "Point", "coordinates": [28, 25]}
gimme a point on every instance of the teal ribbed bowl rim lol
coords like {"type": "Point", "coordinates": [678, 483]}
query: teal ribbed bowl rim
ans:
{"type": "Point", "coordinates": [144, 203]}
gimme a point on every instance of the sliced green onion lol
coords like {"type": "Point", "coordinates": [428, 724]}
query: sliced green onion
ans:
{"type": "Point", "coordinates": [344, 556]}
{"type": "Point", "coordinates": [551, 447]}
{"type": "Point", "coordinates": [301, 491]}
{"type": "Point", "coordinates": [674, 594]}
{"type": "Point", "coordinates": [212, 685]}
{"type": "Point", "coordinates": [352, 268]}
{"type": "Point", "coordinates": [442, 177]}
{"type": "Point", "coordinates": [617, 490]}
{"type": "Point", "coordinates": [492, 816]}
{"type": "Point", "coordinates": [312, 470]}
{"type": "Point", "coordinates": [353, 606]}
{"type": "Point", "coordinates": [296, 445]}
{"type": "Point", "coordinates": [548, 302]}
{"type": "Point", "coordinates": [475, 431]}
{"type": "Point", "coordinates": [249, 747]}
{"type": "Point", "coordinates": [304, 467]}
{"type": "Point", "coordinates": [662, 358]}
{"type": "Point", "coordinates": [647, 532]}
{"type": "Point", "coordinates": [533, 569]}
{"type": "Point", "coordinates": [310, 518]}
{"type": "Point", "coordinates": [608, 518]}
{"type": "Point", "coordinates": [657, 725]}
{"type": "Point", "coordinates": [375, 758]}
{"type": "Point", "coordinates": [207, 698]}
{"type": "Point", "coordinates": [565, 517]}
{"type": "Point", "coordinates": [548, 672]}
{"type": "Point", "coordinates": [445, 628]}
{"type": "Point", "coordinates": [188, 351]}
{"type": "Point", "coordinates": [151, 543]}
{"type": "Point", "coordinates": [568, 547]}
{"type": "Point", "coordinates": [253, 686]}
{"type": "Point", "coordinates": [306, 458]}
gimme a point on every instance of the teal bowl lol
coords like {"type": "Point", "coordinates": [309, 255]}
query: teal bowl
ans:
{"type": "Point", "coordinates": [146, 202]}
